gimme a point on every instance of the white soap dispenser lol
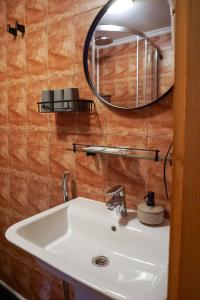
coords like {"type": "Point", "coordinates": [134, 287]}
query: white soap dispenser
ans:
{"type": "Point", "coordinates": [149, 213]}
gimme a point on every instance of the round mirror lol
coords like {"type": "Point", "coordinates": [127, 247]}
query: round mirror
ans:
{"type": "Point", "coordinates": [128, 54]}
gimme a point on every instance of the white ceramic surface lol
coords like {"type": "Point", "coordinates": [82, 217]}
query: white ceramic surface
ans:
{"type": "Point", "coordinates": [69, 236]}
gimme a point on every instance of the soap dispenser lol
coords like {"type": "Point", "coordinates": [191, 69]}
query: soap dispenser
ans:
{"type": "Point", "coordinates": [149, 213]}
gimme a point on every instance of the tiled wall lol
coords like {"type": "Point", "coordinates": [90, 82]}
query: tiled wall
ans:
{"type": "Point", "coordinates": [33, 146]}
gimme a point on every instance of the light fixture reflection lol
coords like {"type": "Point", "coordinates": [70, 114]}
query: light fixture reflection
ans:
{"type": "Point", "coordinates": [103, 41]}
{"type": "Point", "coordinates": [120, 6]}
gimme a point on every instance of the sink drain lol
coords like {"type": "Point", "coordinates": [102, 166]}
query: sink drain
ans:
{"type": "Point", "coordinates": [100, 261]}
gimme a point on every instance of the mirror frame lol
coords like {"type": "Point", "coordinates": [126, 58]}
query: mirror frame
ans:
{"type": "Point", "coordinates": [85, 62]}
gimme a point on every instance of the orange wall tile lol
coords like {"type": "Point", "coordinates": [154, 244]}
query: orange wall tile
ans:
{"type": "Point", "coordinates": [33, 146]}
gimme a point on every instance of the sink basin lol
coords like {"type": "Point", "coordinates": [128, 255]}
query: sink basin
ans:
{"type": "Point", "coordinates": [68, 240]}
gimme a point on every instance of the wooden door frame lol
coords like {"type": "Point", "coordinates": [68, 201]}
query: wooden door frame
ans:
{"type": "Point", "coordinates": [184, 263]}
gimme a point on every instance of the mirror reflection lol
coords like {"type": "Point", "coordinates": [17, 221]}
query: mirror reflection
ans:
{"type": "Point", "coordinates": [130, 56]}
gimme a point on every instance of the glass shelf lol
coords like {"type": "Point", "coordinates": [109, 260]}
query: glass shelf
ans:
{"type": "Point", "coordinates": [148, 154]}
{"type": "Point", "coordinates": [80, 105]}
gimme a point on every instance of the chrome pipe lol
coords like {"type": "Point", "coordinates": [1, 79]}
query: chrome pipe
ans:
{"type": "Point", "coordinates": [93, 58]}
{"type": "Point", "coordinates": [65, 187]}
{"type": "Point", "coordinates": [145, 69]}
{"type": "Point", "coordinates": [137, 85]}
{"type": "Point", "coordinates": [156, 75]}
{"type": "Point", "coordinates": [98, 70]}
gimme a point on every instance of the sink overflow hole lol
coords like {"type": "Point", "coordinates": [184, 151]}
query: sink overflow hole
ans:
{"type": "Point", "coordinates": [113, 228]}
{"type": "Point", "coordinates": [100, 261]}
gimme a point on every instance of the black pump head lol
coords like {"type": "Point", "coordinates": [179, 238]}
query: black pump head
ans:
{"type": "Point", "coordinates": [150, 199]}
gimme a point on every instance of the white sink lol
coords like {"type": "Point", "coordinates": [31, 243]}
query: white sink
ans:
{"type": "Point", "coordinates": [66, 238]}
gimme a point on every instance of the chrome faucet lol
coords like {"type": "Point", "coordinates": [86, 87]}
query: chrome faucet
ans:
{"type": "Point", "coordinates": [65, 185]}
{"type": "Point", "coordinates": [116, 200]}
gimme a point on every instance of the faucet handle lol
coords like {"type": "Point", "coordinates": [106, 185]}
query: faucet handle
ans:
{"type": "Point", "coordinates": [116, 200]}
{"type": "Point", "coordinates": [118, 190]}
{"type": "Point", "coordinates": [114, 196]}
